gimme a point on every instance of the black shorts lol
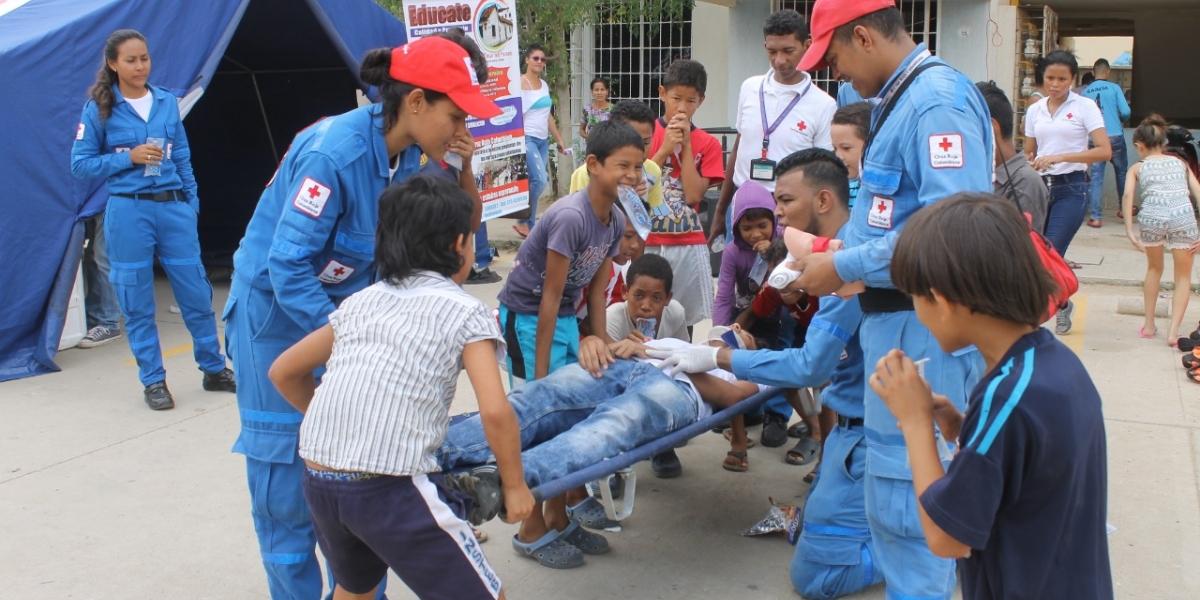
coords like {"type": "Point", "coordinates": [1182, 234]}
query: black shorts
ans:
{"type": "Point", "coordinates": [412, 524]}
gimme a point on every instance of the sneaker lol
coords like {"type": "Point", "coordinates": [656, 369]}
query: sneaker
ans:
{"type": "Point", "coordinates": [482, 484]}
{"type": "Point", "coordinates": [774, 432]}
{"type": "Point", "coordinates": [484, 275]}
{"type": "Point", "coordinates": [222, 381]}
{"type": "Point", "coordinates": [99, 336]}
{"type": "Point", "coordinates": [158, 397]}
{"type": "Point", "coordinates": [1063, 324]}
{"type": "Point", "coordinates": [666, 465]}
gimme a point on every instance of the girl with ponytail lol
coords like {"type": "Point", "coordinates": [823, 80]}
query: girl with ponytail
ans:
{"type": "Point", "coordinates": [1167, 188]}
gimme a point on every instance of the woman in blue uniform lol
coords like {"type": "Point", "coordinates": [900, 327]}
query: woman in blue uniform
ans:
{"type": "Point", "coordinates": [311, 243]}
{"type": "Point", "coordinates": [132, 135]}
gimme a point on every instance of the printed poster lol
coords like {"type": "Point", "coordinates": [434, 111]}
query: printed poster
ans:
{"type": "Point", "coordinates": [499, 159]}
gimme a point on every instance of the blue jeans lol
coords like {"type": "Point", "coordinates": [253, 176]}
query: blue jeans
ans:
{"type": "Point", "coordinates": [1067, 208]}
{"type": "Point", "coordinates": [101, 300]}
{"type": "Point", "coordinates": [571, 420]}
{"type": "Point", "coordinates": [1120, 163]}
{"type": "Point", "coordinates": [537, 162]}
{"type": "Point", "coordinates": [483, 254]}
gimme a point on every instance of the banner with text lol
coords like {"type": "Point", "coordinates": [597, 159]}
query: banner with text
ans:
{"type": "Point", "coordinates": [499, 160]}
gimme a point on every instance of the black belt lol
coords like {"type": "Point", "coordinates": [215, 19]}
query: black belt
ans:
{"type": "Point", "coordinates": [1072, 177]}
{"type": "Point", "coordinates": [884, 300]}
{"type": "Point", "coordinates": [844, 421]}
{"type": "Point", "coordinates": [167, 196]}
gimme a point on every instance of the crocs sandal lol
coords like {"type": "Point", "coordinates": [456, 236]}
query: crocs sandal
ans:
{"type": "Point", "coordinates": [590, 513]}
{"type": "Point", "coordinates": [1187, 344]}
{"type": "Point", "coordinates": [1194, 375]}
{"type": "Point", "coordinates": [741, 466]}
{"type": "Point", "coordinates": [798, 430]}
{"type": "Point", "coordinates": [550, 551]}
{"type": "Point", "coordinates": [803, 453]}
{"type": "Point", "coordinates": [586, 541]}
{"type": "Point", "coordinates": [750, 443]}
{"type": "Point", "coordinates": [1190, 360]}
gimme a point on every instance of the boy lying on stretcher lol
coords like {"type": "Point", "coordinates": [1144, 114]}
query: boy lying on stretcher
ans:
{"type": "Point", "coordinates": [572, 419]}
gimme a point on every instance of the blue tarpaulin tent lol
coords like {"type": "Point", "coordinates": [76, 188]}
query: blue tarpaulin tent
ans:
{"type": "Point", "coordinates": [249, 73]}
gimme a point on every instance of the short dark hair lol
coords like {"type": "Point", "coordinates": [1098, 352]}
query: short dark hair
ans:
{"type": "Point", "coordinates": [822, 169]}
{"type": "Point", "coordinates": [951, 247]}
{"type": "Point", "coordinates": [776, 252]}
{"type": "Point", "coordinates": [651, 265]}
{"type": "Point", "coordinates": [1087, 78]}
{"type": "Point", "coordinates": [787, 22]}
{"type": "Point", "coordinates": [1101, 65]}
{"type": "Point", "coordinates": [753, 214]}
{"type": "Point", "coordinates": [632, 111]}
{"type": "Point", "coordinates": [535, 47]}
{"type": "Point", "coordinates": [686, 72]}
{"type": "Point", "coordinates": [419, 222]}
{"type": "Point", "coordinates": [609, 136]}
{"type": "Point", "coordinates": [887, 21]}
{"type": "Point", "coordinates": [1061, 57]}
{"type": "Point", "coordinates": [998, 106]}
{"type": "Point", "coordinates": [857, 114]}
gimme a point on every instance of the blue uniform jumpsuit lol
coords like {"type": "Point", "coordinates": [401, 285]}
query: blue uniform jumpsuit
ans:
{"type": "Point", "coordinates": [137, 227]}
{"type": "Point", "coordinates": [937, 141]}
{"type": "Point", "coordinates": [309, 245]}
{"type": "Point", "coordinates": [835, 554]}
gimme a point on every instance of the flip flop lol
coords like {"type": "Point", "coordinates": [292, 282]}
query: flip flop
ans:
{"type": "Point", "coordinates": [1094, 223]}
{"type": "Point", "coordinates": [810, 477]}
{"type": "Point", "coordinates": [1191, 361]}
{"type": "Point", "coordinates": [798, 430]}
{"type": "Point", "coordinates": [590, 513]}
{"type": "Point", "coordinates": [1194, 374]}
{"type": "Point", "coordinates": [1187, 344]}
{"type": "Point", "coordinates": [803, 453]}
{"type": "Point", "coordinates": [1074, 265]}
{"type": "Point", "coordinates": [550, 551]}
{"type": "Point", "coordinates": [741, 466]}
{"type": "Point", "coordinates": [1142, 333]}
{"type": "Point", "coordinates": [586, 541]}
{"type": "Point", "coordinates": [522, 232]}
{"type": "Point", "coordinates": [481, 536]}
{"type": "Point", "coordinates": [750, 443]}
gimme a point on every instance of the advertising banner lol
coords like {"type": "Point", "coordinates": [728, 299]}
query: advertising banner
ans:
{"type": "Point", "coordinates": [499, 159]}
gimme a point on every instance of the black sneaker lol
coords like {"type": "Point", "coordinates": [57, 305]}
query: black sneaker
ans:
{"type": "Point", "coordinates": [222, 381]}
{"type": "Point", "coordinates": [99, 336]}
{"type": "Point", "coordinates": [482, 484]}
{"type": "Point", "coordinates": [774, 432]}
{"type": "Point", "coordinates": [158, 397]}
{"type": "Point", "coordinates": [484, 275]}
{"type": "Point", "coordinates": [666, 465]}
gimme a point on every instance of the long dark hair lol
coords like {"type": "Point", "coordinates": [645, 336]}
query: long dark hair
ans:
{"type": "Point", "coordinates": [101, 91]}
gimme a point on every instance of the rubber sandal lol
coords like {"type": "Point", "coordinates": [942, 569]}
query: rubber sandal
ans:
{"type": "Point", "coordinates": [750, 443]}
{"type": "Point", "coordinates": [1195, 335]}
{"type": "Point", "coordinates": [523, 233]}
{"type": "Point", "coordinates": [1194, 375]}
{"type": "Point", "coordinates": [1074, 265]}
{"type": "Point", "coordinates": [810, 477]}
{"type": "Point", "coordinates": [590, 513]}
{"type": "Point", "coordinates": [550, 551]}
{"type": "Point", "coordinates": [1094, 223]}
{"type": "Point", "coordinates": [798, 430]}
{"type": "Point", "coordinates": [481, 536]}
{"type": "Point", "coordinates": [803, 453]}
{"type": "Point", "coordinates": [1187, 344]}
{"type": "Point", "coordinates": [586, 541]}
{"type": "Point", "coordinates": [1191, 361]}
{"type": "Point", "coordinates": [741, 466]}
{"type": "Point", "coordinates": [1142, 333]}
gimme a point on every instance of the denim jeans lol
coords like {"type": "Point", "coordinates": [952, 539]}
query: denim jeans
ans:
{"type": "Point", "coordinates": [537, 162]}
{"type": "Point", "coordinates": [100, 303]}
{"type": "Point", "coordinates": [571, 420]}
{"type": "Point", "coordinates": [1067, 208]}
{"type": "Point", "coordinates": [483, 253]}
{"type": "Point", "coordinates": [1120, 163]}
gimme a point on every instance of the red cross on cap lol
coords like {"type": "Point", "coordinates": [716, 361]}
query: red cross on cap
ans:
{"type": "Point", "coordinates": [314, 191]}
{"type": "Point", "coordinates": [945, 144]}
{"type": "Point", "coordinates": [801, 126]}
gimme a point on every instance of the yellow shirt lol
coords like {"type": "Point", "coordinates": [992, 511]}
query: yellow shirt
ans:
{"type": "Point", "coordinates": [580, 180]}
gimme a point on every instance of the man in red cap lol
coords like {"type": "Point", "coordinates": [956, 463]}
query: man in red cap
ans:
{"type": "Point", "coordinates": [931, 136]}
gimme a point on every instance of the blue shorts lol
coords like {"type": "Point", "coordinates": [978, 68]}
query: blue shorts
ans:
{"type": "Point", "coordinates": [412, 524]}
{"type": "Point", "coordinates": [520, 334]}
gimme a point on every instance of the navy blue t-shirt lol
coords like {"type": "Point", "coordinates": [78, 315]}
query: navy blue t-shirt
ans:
{"type": "Point", "coordinates": [1028, 490]}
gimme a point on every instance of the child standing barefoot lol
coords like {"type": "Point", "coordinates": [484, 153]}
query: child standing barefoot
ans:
{"type": "Point", "coordinates": [1162, 182]}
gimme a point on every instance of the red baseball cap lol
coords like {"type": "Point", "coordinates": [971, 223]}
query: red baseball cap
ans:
{"type": "Point", "coordinates": [828, 15]}
{"type": "Point", "coordinates": [438, 64]}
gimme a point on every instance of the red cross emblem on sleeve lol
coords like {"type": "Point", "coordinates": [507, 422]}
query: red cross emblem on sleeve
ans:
{"type": "Point", "coordinates": [946, 151]}
{"type": "Point", "coordinates": [881, 216]}
{"type": "Point", "coordinates": [335, 272]}
{"type": "Point", "coordinates": [312, 197]}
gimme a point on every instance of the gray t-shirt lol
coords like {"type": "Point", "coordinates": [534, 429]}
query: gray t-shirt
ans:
{"type": "Point", "coordinates": [571, 228]}
{"type": "Point", "coordinates": [1026, 186]}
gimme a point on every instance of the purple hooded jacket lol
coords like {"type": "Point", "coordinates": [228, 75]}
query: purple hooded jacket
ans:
{"type": "Point", "coordinates": [738, 258]}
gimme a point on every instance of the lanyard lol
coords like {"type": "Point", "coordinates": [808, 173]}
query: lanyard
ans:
{"type": "Point", "coordinates": [918, 64]}
{"type": "Point", "coordinates": [899, 82]}
{"type": "Point", "coordinates": [762, 110]}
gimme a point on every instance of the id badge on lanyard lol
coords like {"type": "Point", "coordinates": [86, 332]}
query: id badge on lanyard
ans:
{"type": "Point", "coordinates": [763, 169]}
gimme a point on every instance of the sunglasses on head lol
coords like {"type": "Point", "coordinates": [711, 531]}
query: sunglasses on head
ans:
{"type": "Point", "coordinates": [540, 59]}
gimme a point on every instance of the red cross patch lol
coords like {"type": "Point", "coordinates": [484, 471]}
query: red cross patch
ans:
{"type": "Point", "coordinates": [1069, 115]}
{"type": "Point", "coordinates": [79, 132]}
{"type": "Point", "coordinates": [946, 151]}
{"type": "Point", "coordinates": [335, 272]}
{"type": "Point", "coordinates": [881, 212]}
{"type": "Point", "coordinates": [801, 126]}
{"type": "Point", "coordinates": [311, 197]}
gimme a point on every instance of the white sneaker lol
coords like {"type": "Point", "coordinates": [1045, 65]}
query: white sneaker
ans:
{"type": "Point", "coordinates": [1063, 324]}
{"type": "Point", "coordinates": [99, 336]}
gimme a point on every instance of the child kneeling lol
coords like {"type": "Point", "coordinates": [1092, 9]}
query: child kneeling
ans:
{"type": "Point", "coordinates": [393, 353]}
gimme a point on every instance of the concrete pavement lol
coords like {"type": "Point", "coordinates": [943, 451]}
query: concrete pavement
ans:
{"type": "Point", "coordinates": [103, 498]}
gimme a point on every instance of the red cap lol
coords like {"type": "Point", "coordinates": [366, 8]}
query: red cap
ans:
{"type": "Point", "coordinates": [828, 15]}
{"type": "Point", "coordinates": [438, 64]}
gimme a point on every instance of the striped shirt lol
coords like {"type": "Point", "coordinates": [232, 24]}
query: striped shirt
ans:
{"type": "Point", "coordinates": [383, 404]}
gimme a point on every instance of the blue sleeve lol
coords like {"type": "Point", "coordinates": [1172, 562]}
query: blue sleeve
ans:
{"type": "Point", "coordinates": [869, 262]}
{"type": "Point", "coordinates": [88, 159]}
{"type": "Point", "coordinates": [300, 236]}
{"type": "Point", "coordinates": [1122, 104]}
{"type": "Point", "coordinates": [810, 365]}
{"type": "Point", "coordinates": [181, 155]}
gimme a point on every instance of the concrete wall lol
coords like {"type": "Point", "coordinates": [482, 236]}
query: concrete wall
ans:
{"type": "Point", "coordinates": [729, 43]}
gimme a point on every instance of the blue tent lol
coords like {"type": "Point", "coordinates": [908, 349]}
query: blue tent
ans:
{"type": "Point", "coordinates": [249, 73]}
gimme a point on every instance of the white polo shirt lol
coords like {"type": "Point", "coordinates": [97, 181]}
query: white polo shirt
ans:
{"type": "Point", "coordinates": [1068, 130]}
{"type": "Point", "coordinates": [806, 126]}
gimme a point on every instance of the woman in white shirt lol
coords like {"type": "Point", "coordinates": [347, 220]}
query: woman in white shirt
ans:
{"type": "Point", "coordinates": [539, 125]}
